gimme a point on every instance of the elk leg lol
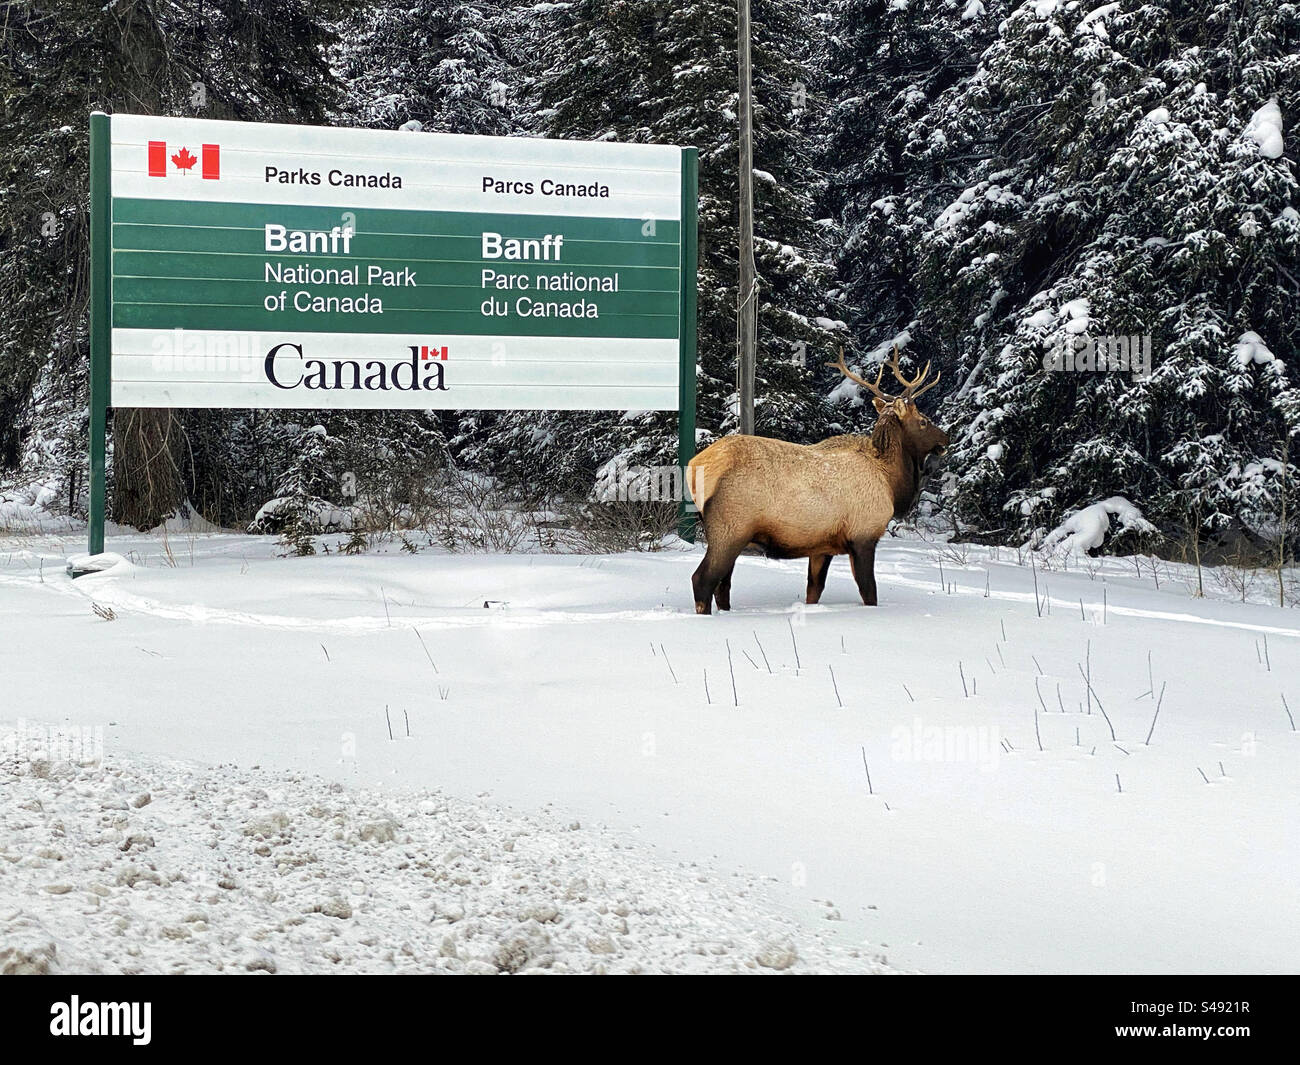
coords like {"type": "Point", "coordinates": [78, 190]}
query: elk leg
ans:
{"type": "Point", "coordinates": [710, 575]}
{"type": "Point", "coordinates": [818, 567]}
{"type": "Point", "coordinates": [722, 594]}
{"type": "Point", "coordinates": [864, 570]}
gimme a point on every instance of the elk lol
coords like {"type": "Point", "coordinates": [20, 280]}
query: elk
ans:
{"type": "Point", "coordinates": [814, 501]}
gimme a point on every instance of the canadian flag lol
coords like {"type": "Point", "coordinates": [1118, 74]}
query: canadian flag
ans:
{"type": "Point", "coordinates": [184, 160]}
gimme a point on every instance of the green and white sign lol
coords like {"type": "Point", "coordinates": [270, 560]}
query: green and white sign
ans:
{"type": "Point", "coordinates": [253, 265]}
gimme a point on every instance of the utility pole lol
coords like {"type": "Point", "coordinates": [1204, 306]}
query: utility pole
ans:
{"type": "Point", "coordinates": [747, 292]}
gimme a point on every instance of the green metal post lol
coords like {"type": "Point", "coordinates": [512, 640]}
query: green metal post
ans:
{"type": "Point", "coordinates": [686, 514]}
{"type": "Point", "coordinates": [100, 326]}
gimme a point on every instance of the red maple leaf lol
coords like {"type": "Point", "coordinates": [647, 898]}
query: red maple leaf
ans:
{"type": "Point", "coordinates": [184, 160]}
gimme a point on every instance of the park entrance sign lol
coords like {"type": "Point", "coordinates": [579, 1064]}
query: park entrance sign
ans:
{"type": "Point", "coordinates": [248, 265]}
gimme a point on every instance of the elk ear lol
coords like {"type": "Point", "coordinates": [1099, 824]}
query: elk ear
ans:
{"type": "Point", "coordinates": [879, 404]}
{"type": "Point", "coordinates": [900, 407]}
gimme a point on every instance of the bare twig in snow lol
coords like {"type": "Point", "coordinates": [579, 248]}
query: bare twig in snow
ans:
{"type": "Point", "coordinates": [1156, 714]}
{"type": "Point", "coordinates": [426, 649]}
{"type": "Point", "coordinates": [668, 663]}
{"type": "Point", "coordinates": [1093, 695]}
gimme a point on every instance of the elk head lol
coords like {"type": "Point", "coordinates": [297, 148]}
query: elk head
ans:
{"type": "Point", "coordinates": [925, 440]}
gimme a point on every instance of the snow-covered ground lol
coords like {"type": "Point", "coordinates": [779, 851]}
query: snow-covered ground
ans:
{"type": "Point", "coordinates": [165, 867]}
{"type": "Point", "coordinates": [721, 822]}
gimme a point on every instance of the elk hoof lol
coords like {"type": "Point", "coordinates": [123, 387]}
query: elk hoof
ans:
{"type": "Point", "coordinates": [702, 608]}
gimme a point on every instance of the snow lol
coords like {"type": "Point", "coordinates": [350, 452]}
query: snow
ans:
{"type": "Point", "coordinates": [831, 324]}
{"type": "Point", "coordinates": [1086, 529]}
{"type": "Point", "coordinates": [952, 215]}
{"type": "Point", "coordinates": [1265, 129]}
{"type": "Point", "coordinates": [222, 869]}
{"type": "Point", "coordinates": [578, 697]}
{"type": "Point", "coordinates": [994, 452]}
{"type": "Point", "coordinates": [1159, 116]}
{"type": "Point", "coordinates": [1250, 347]}
{"type": "Point", "coordinates": [1077, 313]}
{"type": "Point", "coordinates": [974, 9]}
{"type": "Point", "coordinates": [29, 508]}
{"type": "Point", "coordinates": [318, 513]}
{"type": "Point", "coordinates": [1094, 19]}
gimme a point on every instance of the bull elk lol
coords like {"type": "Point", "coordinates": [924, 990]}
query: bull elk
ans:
{"type": "Point", "coordinates": [814, 501]}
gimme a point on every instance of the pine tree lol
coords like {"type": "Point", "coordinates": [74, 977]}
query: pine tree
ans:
{"type": "Point", "coordinates": [446, 67]}
{"type": "Point", "coordinates": [890, 171]}
{"type": "Point", "coordinates": [303, 508]}
{"type": "Point", "coordinates": [1136, 186]}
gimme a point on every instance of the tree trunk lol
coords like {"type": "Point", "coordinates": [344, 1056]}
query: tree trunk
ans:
{"type": "Point", "coordinates": [146, 477]}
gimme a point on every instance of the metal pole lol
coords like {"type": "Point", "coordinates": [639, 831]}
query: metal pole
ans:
{"type": "Point", "coordinates": [747, 295]}
{"type": "Point", "coordinates": [689, 236]}
{"type": "Point", "coordinates": [100, 326]}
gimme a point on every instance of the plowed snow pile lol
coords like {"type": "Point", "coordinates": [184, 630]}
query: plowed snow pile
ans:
{"type": "Point", "coordinates": [166, 867]}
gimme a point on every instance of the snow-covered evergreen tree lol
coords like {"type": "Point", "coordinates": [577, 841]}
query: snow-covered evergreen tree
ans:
{"type": "Point", "coordinates": [1137, 186]}
{"type": "Point", "coordinates": [890, 171]}
{"type": "Point", "coordinates": [433, 65]}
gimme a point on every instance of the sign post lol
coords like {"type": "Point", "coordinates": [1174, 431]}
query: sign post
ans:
{"type": "Point", "coordinates": [686, 514]}
{"type": "Point", "coordinates": [255, 265]}
{"type": "Point", "coordinates": [100, 304]}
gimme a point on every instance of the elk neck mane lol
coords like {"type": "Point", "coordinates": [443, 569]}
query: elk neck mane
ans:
{"type": "Point", "coordinates": [887, 437]}
{"type": "Point", "coordinates": [902, 467]}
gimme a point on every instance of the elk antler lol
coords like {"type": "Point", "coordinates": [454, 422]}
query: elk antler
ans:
{"type": "Point", "coordinates": [840, 365]}
{"type": "Point", "coordinates": [910, 388]}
